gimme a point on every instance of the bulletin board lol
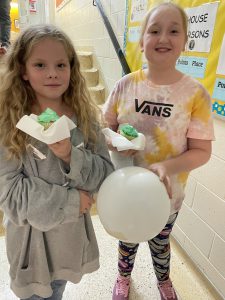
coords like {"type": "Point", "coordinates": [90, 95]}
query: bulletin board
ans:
{"type": "Point", "coordinates": [204, 55]}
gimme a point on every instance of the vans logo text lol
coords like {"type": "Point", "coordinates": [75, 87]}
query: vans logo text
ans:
{"type": "Point", "coordinates": [154, 109]}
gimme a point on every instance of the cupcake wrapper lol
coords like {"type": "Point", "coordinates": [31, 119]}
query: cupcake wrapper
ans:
{"type": "Point", "coordinates": [59, 130]}
{"type": "Point", "coordinates": [122, 143]}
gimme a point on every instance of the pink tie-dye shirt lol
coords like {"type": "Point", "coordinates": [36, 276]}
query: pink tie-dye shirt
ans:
{"type": "Point", "coordinates": [166, 114]}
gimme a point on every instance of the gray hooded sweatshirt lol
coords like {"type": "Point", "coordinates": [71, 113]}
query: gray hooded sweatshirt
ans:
{"type": "Point", "coordinates": [46, 237]}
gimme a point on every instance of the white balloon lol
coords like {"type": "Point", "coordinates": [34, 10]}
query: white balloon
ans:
{"type": "Point", "coordinates": [133, 204]}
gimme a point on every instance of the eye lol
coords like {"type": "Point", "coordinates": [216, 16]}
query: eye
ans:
{"type": "Point", "coordinates": [39, 65]}
{"type": "Point", "coordinates": [174, 31]}
{"type": "Point", "coordinates": [154, 31]}
{"type": "Point", "coordinates": [61, 65]}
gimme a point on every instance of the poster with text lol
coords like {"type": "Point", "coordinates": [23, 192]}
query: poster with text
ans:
{"type": "Point", "coordinates": [201, 23]}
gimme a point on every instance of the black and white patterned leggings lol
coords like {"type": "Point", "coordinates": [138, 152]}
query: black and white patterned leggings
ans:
{"type": "Point", "coordinates": [160, 251]}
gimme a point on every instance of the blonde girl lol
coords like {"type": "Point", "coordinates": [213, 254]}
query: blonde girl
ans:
{"type": "Point", "coordinates": [49, 234]}
{"type": "Point", "coordinates": [173, 111]}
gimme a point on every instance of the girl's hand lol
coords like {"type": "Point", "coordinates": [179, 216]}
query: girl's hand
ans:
{"type": "Point", "coordinates": [160, 170]}
{"type": "Point", "coordinates": [109, 144]}
{"type": "Point", "coordinates": [129, 152]}
{"type": "Point", "coordinates": [86, 202]}
{"type": "Point", "coordinates": [62, 149]}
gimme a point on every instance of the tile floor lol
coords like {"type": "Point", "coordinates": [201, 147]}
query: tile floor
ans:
{"type": "Point", "coordinates": [98, 286]}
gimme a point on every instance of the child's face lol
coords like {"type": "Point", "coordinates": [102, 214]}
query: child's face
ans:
{"type": "Point", "coordinates": [164, 37]}
{"type": "Point", "coordinates": [48, 70]}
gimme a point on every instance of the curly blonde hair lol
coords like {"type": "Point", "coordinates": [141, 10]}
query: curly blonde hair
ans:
{"type": "Point", "coordinates": [16, 94]}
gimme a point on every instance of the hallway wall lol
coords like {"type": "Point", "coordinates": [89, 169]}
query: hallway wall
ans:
{"type": "Point", "coordinates": [82, 21]}
{"type": "Point", "coordinates": [200, 227]}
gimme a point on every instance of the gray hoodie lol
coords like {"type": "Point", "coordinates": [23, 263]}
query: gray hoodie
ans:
{"type": "Point", "coordinates": [46, 237]}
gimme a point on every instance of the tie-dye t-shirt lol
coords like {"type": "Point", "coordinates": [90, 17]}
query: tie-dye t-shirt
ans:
{"type": "Point", "coordinates": [166, 114]}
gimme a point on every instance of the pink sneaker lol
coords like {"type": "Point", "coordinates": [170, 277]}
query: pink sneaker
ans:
{"type": "Point", "coordinates": [166, 290]}
{"type": "Point", "coordinates": [121, 288]}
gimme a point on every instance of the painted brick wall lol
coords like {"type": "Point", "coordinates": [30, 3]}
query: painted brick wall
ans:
{"type": "Point", "coordinates": [200, 227]}
{"type": "Point", "coordinates": [82, 21]}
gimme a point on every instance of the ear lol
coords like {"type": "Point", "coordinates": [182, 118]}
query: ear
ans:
{"type": "Point", "coordinates": [24, 76]}
{"type": "Point", "coordinates": [23, 73]}
{"type": "Point", "coordinates": [141, 45]}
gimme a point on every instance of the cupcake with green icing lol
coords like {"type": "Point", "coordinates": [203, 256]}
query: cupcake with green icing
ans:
{"type": "Point", "coordinates": [47, 117]}
{"type": "Point", "coordinates": [128, 131]}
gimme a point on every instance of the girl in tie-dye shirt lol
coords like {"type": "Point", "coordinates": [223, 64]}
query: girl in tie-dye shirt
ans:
{"type": "Point", "coordinates": [173, 111]}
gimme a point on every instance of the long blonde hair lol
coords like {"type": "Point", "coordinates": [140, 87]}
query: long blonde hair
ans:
{"type": "Point", "coordinates": [16, 94]}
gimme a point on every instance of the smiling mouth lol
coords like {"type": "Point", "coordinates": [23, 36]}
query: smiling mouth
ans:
{"type": "Point", "coordinates": [163, 49]}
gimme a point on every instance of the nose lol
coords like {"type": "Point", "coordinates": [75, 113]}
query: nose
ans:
{"type": "Point", "coordinates": [52, 73]}
{"type": "Point", "coordinates": [163, 37]}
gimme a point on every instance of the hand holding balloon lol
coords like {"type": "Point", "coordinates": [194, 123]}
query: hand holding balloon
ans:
{"type": "Point", "coordinates": [160, 170]}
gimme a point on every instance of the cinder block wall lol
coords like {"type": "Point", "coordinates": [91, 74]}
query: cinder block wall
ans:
{"type": "Point", "coordinates": [200, 227]}
{"type": "Point", "coordinates": [82, 21]}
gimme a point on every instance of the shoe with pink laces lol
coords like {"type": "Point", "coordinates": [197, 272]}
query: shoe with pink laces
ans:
{"type": "Point", "coordinates": [166, 290]}
{"type": "Point", "coordinates": [121, 288]}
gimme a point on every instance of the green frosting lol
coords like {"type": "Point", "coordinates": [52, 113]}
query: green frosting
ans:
{"type": "Point", "coordinates": [48, 115]}
{"type": "Point", "coordinates": [129, 130]}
